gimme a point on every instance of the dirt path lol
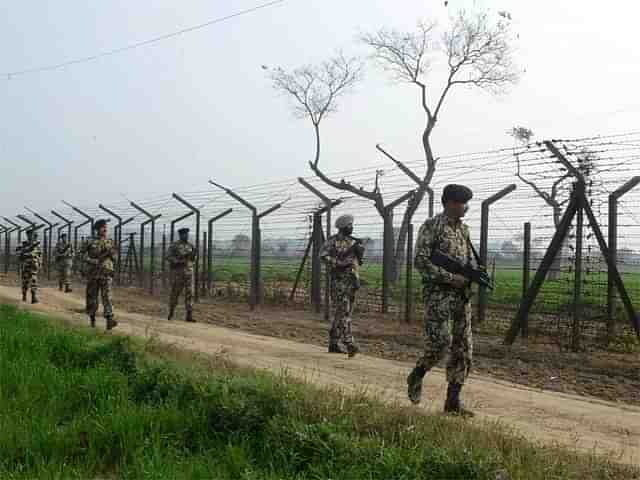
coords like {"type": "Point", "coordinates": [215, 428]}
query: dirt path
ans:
{"type": "Point", "coordinates": [586, 424]}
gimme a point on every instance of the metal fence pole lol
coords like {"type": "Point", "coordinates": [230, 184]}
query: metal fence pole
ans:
{"type": "Point", "coordinates": [408, 315]}
{"type": "Point", "coordinates": [210, 246]}
{"type": "Point", "coordinates": [614, 197]}
{"type": "Point", "coordinates": [526, 272]}
{"type": "Point", "coordinates": [577, 284]}
{"type": "Point", "coordinates": [483, 299]}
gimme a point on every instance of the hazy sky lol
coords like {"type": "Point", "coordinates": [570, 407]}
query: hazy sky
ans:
{"type": "Point", "coordinates": [167, 117]}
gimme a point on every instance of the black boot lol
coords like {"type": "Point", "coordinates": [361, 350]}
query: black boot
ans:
{"type": "Point", "coordinates": [189, 317]}
{"type": "Point", "coordinates": [353, 350]}
{"type": "Point", "coordinates": [92, 321]}
{"type": "Point", "coordinates": [67, 289]}
{"type": "Point", "coordinates": [111, 323]}
{"type": "Point", "coordinates": [334, 347]}
{"type": "Point", "coordinates": [24, 295]}
{"type": "Point", "coordinates": [414, 384]}
{"type": "Point", "coordinates": [172, 310]}
{"type": "Point", "coordinates": [34, 297]}
{"type": "Point", "coordinates": [453, 405]}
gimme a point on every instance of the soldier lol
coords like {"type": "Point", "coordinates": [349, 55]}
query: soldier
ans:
{"type": "Point", "coordinates": [343, 255]}
{"type": "Point", "coordinates": [64, 259]}
{"type": "Point", "coordinates": [181, 258]}
{"type": "Point", "coordinates": [98, 258]}
{"type": "Point", "coordinates": [446, 299]}
{"type": "Point", "coordinates": [30, 260]}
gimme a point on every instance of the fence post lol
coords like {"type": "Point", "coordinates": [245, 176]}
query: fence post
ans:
{"type": "Point", "coordinates": [484, 242]}
{"type": "Point", "coordinates": [577, 284]}
{"type": "Point", "coordinates": [164, 255]}
{"type": "Point", "coordinates": [202, 279]}
{"type": "Point", "coordinates": [316, 266]}
{"type": "Point", "coordinates": [66, 224]}
{"type": "Point", "coordinates": [526, 272]}
{"type": "Point", "coordinates": [254, 295]}
{"type": "Point", "coordinates": [210, 246]}
{"type": "Point", "coordinates": [614, 197]}
{"type": "Point", "coordinates": [408, 316]}
{"type": "Point", "coordinates": [388, 254]}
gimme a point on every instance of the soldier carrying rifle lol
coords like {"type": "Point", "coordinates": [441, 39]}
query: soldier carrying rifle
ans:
{"type": "Point", "coordinates": [343, 254]}
{"type": "Point", "coordinates": [443, 257]}
{"type": "Point", "coordinates": [64, 260]}
{"type": "Point", "coordinates": [30, 257]}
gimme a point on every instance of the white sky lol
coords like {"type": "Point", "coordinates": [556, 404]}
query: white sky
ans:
{"type": "Point", "coordinates": [169, 116]}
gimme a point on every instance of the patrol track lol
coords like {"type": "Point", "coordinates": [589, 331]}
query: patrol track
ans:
{"type": "Point", "coordinates": [576, 422]}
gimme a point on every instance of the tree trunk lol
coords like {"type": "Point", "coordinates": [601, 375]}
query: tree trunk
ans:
{"type": "Point", "coordinates": [414, 204]}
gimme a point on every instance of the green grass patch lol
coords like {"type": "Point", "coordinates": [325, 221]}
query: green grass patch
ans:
{"type": "Point", "coordinates": [74, 404]}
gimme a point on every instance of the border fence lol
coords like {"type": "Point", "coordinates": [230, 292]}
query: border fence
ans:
{"type": "Point", "coordinates": [260, 243]}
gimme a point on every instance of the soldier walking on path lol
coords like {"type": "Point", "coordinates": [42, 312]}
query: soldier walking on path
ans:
{"type": "Point", "coordinates": [98, 257]}
{"type": "Point", "coordinates": [64, 260]}
{"type": "Point", "coordinates": [343, 253]}
{"type": "Point", "coordinates": [446, 299]}
{"type": "Point", "coordinates": [30, 256]}
{"type": "Point", "coordinates": [181, 257]}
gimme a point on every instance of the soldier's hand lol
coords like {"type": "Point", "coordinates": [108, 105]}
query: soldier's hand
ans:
{"type": "Point", "coordinates": [459, 281]}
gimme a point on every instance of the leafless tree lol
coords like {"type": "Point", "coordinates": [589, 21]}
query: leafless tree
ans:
{"type": "Point", "coordinates": [316, 89]}
{"type": "Point", "coordinates": [478, 54]}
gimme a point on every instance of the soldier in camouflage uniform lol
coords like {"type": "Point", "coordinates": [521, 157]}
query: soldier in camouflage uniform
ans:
{"type": "Point", "coordinates": [30, 261]}
{"type": "Point", "coordinates": [98, 257]}
{"type": "Point", "coordinates": [181, 257]}
{"type": "Point", "coordinates": [446, 299]}
{"type": "Point", "coordinates": [64, 259]}
{"type": "Point", "coordinates": [342, 253]}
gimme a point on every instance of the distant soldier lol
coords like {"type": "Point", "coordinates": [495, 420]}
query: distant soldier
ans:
{"type": "Point", "coordinates": [30, 256]}
{"type": "Point", "coordinates": [342, 254]}
{"type": "Point", "coordinates": [181, 257]}
{"type": "Point", "coordinates": [64, 260]}
{"type": "Point", "coordinates": [446, 298]}
{"type": "Point", "coordinates": [98, 257]}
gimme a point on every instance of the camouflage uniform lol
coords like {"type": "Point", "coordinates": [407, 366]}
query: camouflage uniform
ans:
{"type": "Point", "coordinates": [98, 266]}
{"type": "Point", "coordinates": [64, 260]}
{"type": "Point", "coordinates": [345, 282]}
{"type": "Point", "coordinates": [181, 258]}
{"type": "Point", "coordinates": [447, 309]}
{"type": "Point", "coordinates": [30, 261]}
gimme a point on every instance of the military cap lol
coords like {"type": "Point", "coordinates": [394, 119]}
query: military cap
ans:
{"type": "Point", "coordinates": [32, 232]}
{"type": "Point", "coordinates": [343, 221]}
{"type": "Point", "coordinates": [456, 193]}
{"type": "Point", "coordinates": [183, 230]}
{"type": "Point", "coordinates": [99, 224]}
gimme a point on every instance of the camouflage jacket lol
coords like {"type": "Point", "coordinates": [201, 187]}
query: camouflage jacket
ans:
{"type": "Point", "coordinates": [63, 252]}
{"type": "Point", "coordinates": [30, 255]}
{"type": "Point", "coordinates": [181, 256]}
{"type": "Point", "coordinates": [334, 249]}
{"type": "Point", "coordinates": [450, 237]}
{"type": "Point", "coordinates": [98, 257]}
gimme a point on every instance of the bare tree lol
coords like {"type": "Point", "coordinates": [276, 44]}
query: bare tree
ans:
{"type": "Point", "coordinates": [316, 89]}
{"type": "Point", "coordinates": [478, 54]}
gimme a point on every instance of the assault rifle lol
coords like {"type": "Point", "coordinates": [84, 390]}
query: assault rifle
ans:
{"type": "Point", "coordinates": [26, 247]}
{"type": "Point", "coordinates": [452, 265]}
{"type": "Point", "coordinates": [356, 249]}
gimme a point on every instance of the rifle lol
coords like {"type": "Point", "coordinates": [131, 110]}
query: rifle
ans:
{"type": "Point", "coordinates": [356, 249]}
{"type": "Point", "coordinates": [26, 248]}
{"type": "Point", "coordinates": [452, 265]}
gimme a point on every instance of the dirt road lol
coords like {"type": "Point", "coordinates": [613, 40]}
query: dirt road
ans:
{"type": "Point", "coordinates": [577, 422]}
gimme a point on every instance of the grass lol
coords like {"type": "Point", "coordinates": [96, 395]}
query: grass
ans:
{"type": "Point", "coordinates": [77, 405]}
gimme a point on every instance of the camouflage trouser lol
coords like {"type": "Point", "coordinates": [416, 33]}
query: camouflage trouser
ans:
{"type": "Point", "coordinates": [29, 279]}
{"type": "Point", "coordinates": [448, 330]}
{"type": "Point", "coordinates": [344, 294]}
{"type": "Point", "coordinates": [95, 287]}
{"type": "Point", "coordinates": [181, 280]}
{"type": "Point", "coordinates": [64, 274]}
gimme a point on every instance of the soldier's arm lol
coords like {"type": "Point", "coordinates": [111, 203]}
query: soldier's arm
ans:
{"type": "Point", "coordinates": [327, 253]}
{"type": "Point", "coordinates": [422, 262]}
